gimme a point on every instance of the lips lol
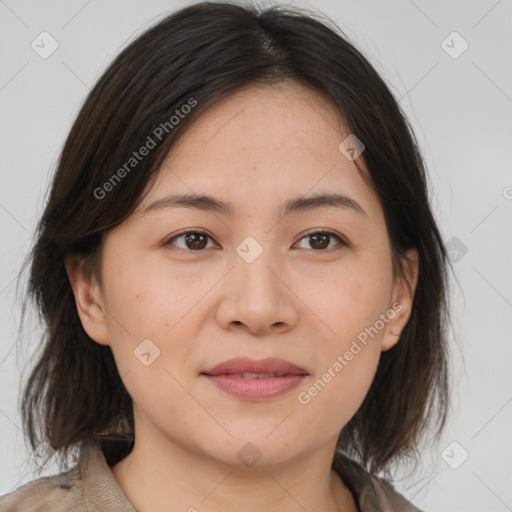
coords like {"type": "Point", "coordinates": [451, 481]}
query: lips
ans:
{"type": "Point", "coordinates": [251, 369]}
{"type": "Point", "coordinates": [252, 380]}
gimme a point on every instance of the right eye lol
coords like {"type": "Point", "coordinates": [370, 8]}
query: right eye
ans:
{"type": "Point", "coordinates": [194, 241]}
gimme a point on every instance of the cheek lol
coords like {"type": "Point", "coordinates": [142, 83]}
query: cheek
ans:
{"type": "Point", "coordinates": [350, 298]}
{"type": "Point", "coordinates": [341, 385]}
{"type": "Point", "coordinates": [151, 335]}
{"type": "Point", "coordinates": [150, 302]}
{"type": "Point", "coordinates": [143, 305]}
{"type": "Point", "coordinates": [346, 305]}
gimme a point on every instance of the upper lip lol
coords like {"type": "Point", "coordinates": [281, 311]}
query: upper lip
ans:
{"type": "Point", "coordinates": [247, 365]}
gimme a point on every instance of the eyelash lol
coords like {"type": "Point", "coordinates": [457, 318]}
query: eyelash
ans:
{"type": "Point", "coordinates": [341, 241]}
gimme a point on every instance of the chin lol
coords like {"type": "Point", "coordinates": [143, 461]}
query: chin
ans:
{"type": "Point", "coordinates": [254, 450]}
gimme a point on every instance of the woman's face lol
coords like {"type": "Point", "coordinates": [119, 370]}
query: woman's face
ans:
{"type": "Point", "coordinates": [258, 281]}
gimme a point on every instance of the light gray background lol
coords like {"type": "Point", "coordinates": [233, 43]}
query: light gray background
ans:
{"type": "Point", "coordinates": [460, 109]}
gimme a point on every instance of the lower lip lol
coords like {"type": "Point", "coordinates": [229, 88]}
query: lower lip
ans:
{"type": "Point", "coordinates": [254, 389]}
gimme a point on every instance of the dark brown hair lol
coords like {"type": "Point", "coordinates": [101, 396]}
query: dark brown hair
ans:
{"type": "Point", "coordinates": [207, 51]}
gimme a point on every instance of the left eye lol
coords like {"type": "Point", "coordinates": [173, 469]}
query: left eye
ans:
{"type": "Point", "coordinates": [197, 240]}
{"type": "Point", "coordinates": [321, 239]}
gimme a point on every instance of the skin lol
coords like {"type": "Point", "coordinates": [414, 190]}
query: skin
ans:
{"type": "Point", "coordinates": [255, 149]}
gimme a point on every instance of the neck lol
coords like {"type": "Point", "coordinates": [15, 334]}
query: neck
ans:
{"type": "Point", "coordinates": [152, 478]}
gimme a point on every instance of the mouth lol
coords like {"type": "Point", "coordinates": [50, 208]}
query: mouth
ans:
{"type": "Point", "coordinates": [256, 380]}
{"type": "Point", "coordinates": [253, 375]}
{"type": "Point", "coordinates": [251, 369]}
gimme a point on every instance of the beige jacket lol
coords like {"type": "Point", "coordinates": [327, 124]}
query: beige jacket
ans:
{"type": "Point", "coordinates": [90, 486]}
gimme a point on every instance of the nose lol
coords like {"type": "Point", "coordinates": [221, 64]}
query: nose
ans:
{"type": "Point", "coordinates": [259, 296]}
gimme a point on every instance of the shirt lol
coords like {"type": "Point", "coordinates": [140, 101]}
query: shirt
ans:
{"type": "Point", "coordinates": [90, 486]}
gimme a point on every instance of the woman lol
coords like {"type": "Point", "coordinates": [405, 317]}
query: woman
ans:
{"type": "Point", "coordinates": [243, 283]}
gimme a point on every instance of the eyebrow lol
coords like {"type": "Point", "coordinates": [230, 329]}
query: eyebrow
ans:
{"type": "Point", "coordinates": [211, 204]}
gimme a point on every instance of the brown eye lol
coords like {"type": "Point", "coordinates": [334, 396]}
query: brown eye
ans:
{"type": "Point", "coordinates": [193, 240]}
{"type": "Point", "coordinates": [320, 240]}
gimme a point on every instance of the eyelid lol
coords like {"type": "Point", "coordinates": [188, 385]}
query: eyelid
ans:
{"type": "Point", "coordinates": [341, 240]}
{"type": "Point", "coordinates": [168, 240]}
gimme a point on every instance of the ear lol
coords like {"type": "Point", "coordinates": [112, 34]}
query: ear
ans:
{"type": "Point", "coordinates": [402, 298]}
{"type": "Point", "coordinates": [88, 299]}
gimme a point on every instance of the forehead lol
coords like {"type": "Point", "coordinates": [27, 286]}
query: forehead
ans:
{"type": "Point", "coordinates": [279, 117]}
{"type": "Point", "coordinates": [266, 141]}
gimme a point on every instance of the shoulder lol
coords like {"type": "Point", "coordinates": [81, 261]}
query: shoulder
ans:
{"type": "Point", "coordinates": [88, 485]}
{"type": "Point", "coordinates": [370, 491]}
{"type": "Point", "coordinates": [388, 494]}
{"type": "Point", "coordinates": [51, 493]}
